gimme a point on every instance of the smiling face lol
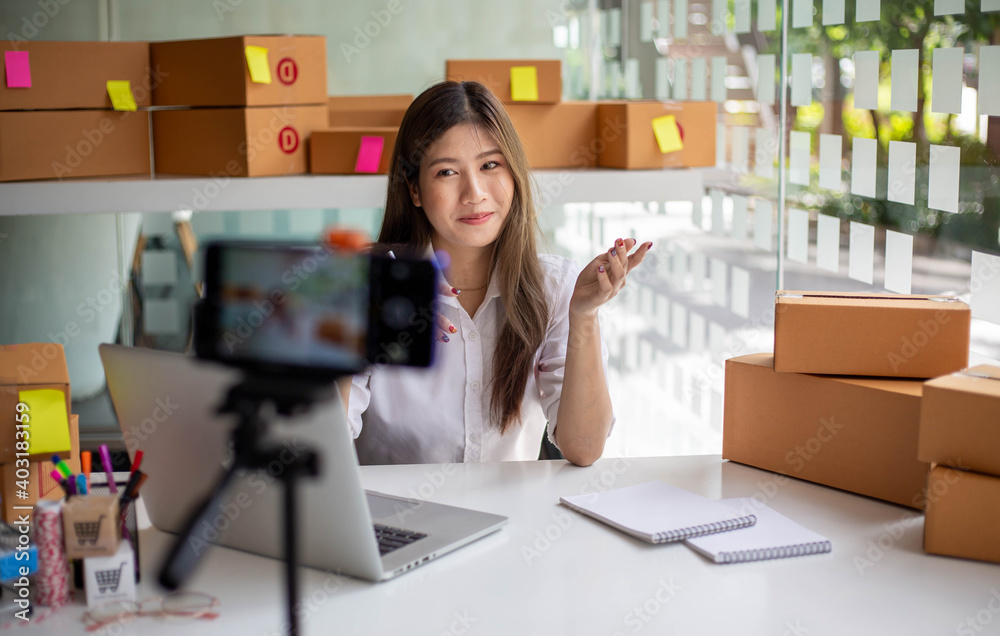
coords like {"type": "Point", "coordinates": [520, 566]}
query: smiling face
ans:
{"type": "Point", "coordinates": [465, 188]}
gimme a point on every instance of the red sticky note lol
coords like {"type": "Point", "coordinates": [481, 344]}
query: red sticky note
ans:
{"type": "Point", "coordinates": [369, 154]}
{"type": "Point", "coordinates": [18, 69]}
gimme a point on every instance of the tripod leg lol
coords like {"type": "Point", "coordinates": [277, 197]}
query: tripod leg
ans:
{"type": "Point", "coordinates": [291, 550]}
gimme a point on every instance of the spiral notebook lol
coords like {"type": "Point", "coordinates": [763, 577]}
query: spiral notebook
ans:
{"type": "Point", "coordinates": [774, 536]}
{"type": "Point", "coordinates": [658, 512]}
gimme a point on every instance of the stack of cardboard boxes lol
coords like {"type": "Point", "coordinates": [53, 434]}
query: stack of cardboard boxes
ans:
{"type": "Point", "coordinates": [245, 106]}
{"type": "Point", "coordinates": [34, 376]}
{"type": "Point", "coordinates": [74, 109]}
{"type": "Point", "coordinates": [839, 402]}
{"type": "Point", "coordinates": [587, 134]}
{"type": "Point", "coordinates": [960, 436]}
{"type": "Point", "coordinates": [361, 134]}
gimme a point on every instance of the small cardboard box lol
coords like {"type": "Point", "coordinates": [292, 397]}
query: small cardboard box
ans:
{"type": "Point", "coordinates": [626, 127]}
{"type": "Point", "coordinates": [339, 151]}
{"type": "Point", "coordinates": [562, 135]}
{"type": "Point", "coordinates": [36, 374]}
{"type": "Point", "coordinates": [960, 420]}
{"type": "Point", "coordinates": [362, 111]}
{"type": "Point", "coordinates": [235, 142]}
{"type": "Point", "coordinates": [496, 76]}
{"type": "Point", "coordinates": [886, 335]}
{"type": "Point", "coordinates": [68, 75]}
{"type": "Point", "coordinates": [91, 526]}
{"type": "Point", "coordinates": [215, 71]}
{"type": "Point", "coordinates": [963, 514]}
{"type": "Point", "coordinates": [110, 578]}
{"type": "Point", "coordinates": [68, 144]}
{"type": "Point", "coordinates": [856, 434]}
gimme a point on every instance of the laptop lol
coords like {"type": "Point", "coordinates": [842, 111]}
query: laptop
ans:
{"type": "Point", "coordinates": [166, 406]}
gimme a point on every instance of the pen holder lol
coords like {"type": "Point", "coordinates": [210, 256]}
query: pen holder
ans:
{"type": "Point", "coordinates": [91, 525]}
{"type": "Point", "coordinates": [129, 528]}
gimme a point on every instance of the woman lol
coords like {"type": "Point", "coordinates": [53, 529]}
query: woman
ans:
{"type": "Point", "coordinates": [519, 337]}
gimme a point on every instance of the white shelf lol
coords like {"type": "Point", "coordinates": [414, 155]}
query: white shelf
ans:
{"type": "Point", "coordinates": [315, 191]}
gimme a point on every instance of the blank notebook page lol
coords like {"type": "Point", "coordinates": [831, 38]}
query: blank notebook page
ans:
{"type": "Point", "coordinates": [658, 512]}
{"type": "Point", "coordinates": [774, 536]}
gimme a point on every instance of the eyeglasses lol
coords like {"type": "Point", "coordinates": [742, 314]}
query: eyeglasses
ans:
{"type": "Point", "coordinates": [176, 605]}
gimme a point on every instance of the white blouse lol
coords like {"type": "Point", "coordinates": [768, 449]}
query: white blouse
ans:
{"type": "Point", "coordinates": [441, 414]}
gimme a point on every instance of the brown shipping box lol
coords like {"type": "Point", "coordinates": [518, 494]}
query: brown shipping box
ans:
{"type": "Point", "coordinates": [336, 151]}
{"type": "Point", "coordinates": [351, 111]}
{"type": "Point", "coordinates": [963, 514]}
{"type": "Point", "coordinates": [495, 75]}
{"type": "Point", "coordinates": [39, 482]}
{"type": "Point", "coordinates": [960, 420]}
{"type": "Point", "coordinates": [90, 526]}
{"type": "Point", "coordinates": [888, 335]}
{"type": "Point", "coordinates": [562, 135]}
{"type": "Point", "coordinates": [24, 368]}
{"type": "Point", "coordinates": [66, 144]}
{"type": "Point", "coordinates": [627, 130]}
{"type": "Point", "coordinates": [235, 142]}
{"type": "Point", "coordinates": [214, 72]}
{"type": "Point", "coordinates": [857, 434]}
{"type": "Point", "coordinates": [75, 74]}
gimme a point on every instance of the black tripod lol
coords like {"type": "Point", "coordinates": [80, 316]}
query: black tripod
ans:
{"type": "Point", "coordinates": [247, 399]}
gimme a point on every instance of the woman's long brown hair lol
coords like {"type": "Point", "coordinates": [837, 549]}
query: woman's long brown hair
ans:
{"type": "Point", "coordinates": [515, 259]}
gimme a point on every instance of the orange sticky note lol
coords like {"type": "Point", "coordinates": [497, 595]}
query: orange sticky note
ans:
{"type": "Point", "coordinates": [49, 423]}
{"type": "Point", "coordinates": [524, 83]}
{"type": "Point", "coordinates": [120, 92]}
{"type": "Point", "coordinates": [668, 135]}
{"type": "Point", "coordinates": [260, 69]}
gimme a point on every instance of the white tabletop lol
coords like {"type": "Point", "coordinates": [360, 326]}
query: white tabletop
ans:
{"type": "Point", "coordinates": [551, 571]}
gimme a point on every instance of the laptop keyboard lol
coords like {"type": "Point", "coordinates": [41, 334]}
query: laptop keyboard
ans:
{"type": "Point", "coordinates": [390, 538]}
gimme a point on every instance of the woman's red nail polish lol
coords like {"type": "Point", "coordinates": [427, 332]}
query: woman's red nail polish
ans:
{"type": "Point", "coordinates": [455, 291]}
{"type": "Point", "coordinates": [649, 245]}
{"type": "Point", "coordinates": [600, 268]}
{"type": "Point", "coordinates": [445, 338]}
{"type": "Point", "coordinates": [452, 329]}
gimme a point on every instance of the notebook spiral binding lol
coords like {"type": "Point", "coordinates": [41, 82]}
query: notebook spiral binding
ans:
{"type": "Point", "coordinates": [743, 556]}
{"type": "Point", "coordinates": [703, 529]}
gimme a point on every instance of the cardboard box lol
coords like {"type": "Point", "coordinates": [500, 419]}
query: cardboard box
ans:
{"type": "Point", "coordinates": [627, 129]}
{"type": "Point", "coordinates": [235, 142]}
{"type": "Point", "coordinates": [495, 75]}
{"type": "Point", "coordinates": [856, 434]}
{"type": "Point", "coordinates": [91, 526]}
{"type": "Point", "coordinates": [963, 514]}
{"type": "Point", "coordinates": [66, 144]}
{"type": "Point", "coordinates": [75, 74]}
{"type": "Point", "coordinates": [337, 151]}
{"type": "Point", "coordinates": [215, 72]}
{"type": "Point", "coordinates": [362, 111]}
{"type": "Point", "coordinates": [960, 420]}
{"type": "Point", "coordinates": [562, 135]}
{"type": "Point", "coordinates": [24, 370]}
{"type": "Point", "coordinates": [110, 578]}
{"type": "Point", "coordinates": [887, 335]}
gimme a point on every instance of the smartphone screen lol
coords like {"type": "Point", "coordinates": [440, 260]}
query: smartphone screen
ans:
{"type": "Point", "coordinates": [300, 306]}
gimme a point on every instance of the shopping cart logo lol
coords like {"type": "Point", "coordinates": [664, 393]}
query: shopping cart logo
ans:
{"type": "Point", "coordinates": [107, 580]}
{"type": "Point", "coordinates": [88, 531]}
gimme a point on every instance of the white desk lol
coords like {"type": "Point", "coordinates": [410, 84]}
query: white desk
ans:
{"type": "Point", "coordinates": [551, 571]}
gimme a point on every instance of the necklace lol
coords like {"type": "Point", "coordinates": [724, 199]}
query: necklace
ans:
{"type": "Point", "coordinates": [471, 289]}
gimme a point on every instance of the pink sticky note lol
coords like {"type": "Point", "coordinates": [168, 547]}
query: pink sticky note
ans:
{"type": "Point", "coordinates": [18, 69]}
{"type": "Point", "coordinates": [369, 154]}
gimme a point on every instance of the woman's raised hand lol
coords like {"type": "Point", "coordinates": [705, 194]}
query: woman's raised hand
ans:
{"type": "Point", "coordinates": [604, 277]}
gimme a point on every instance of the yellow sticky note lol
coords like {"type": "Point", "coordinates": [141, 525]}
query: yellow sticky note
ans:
{"type": "Point", "coordinates": [668, 136]}
{"type": "Point", "coordinates": [260, 70]}
{"type": "Point", "coordinates": [120, 92]}
{"type": "Point", "coordinates": [48, 423]}
{"type": "Point", "coordinates": [524, 83]}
